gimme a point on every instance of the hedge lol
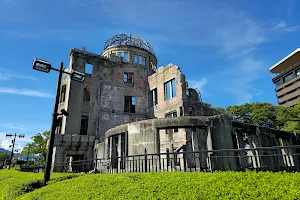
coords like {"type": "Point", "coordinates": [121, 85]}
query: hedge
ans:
{"type": "Point", "coordinates": [174, 185]}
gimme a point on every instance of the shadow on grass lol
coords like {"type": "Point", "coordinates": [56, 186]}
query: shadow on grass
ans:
{"type": "Point", "coordinates": [21, 189]}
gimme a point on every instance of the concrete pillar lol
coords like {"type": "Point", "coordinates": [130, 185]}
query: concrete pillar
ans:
{"type": "Point", "coordinates": [119, 152]}
{"type": "Point", "coordinates": [58, 159]}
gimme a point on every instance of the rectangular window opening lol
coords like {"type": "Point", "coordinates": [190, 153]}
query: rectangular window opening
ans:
{"type": "Point", "coordinates": [288, 77]}
{"type": "Point", "coordinates": [58, 125]}
{"type": "Point", "coordinates": [298, 72]}
{"type": "Point", "coordinates": [170, 89]}
{"type": "Point", "coordinates": [120, 54]}
{"type": "Point", "coordinates": [136, 59]}
{"type": "Point", "coordinates": [129, 104]}
{"type": "Point", "coordinates": [140, 60]}
{"type": "Point", "coordinates": [63, 94]}
{"type": "Point", "coordinates": [144, 61]}
{"type": "Point", "coordinates": [154, 96]}
{"type": "Point", "coordinates": [84, 125]}
{"type": "Point", "coordinates": [278, 83]}
{"type": "Point", "coordinates": [88, 68]}
{"type": "Point", "coordinates": [128, 77]}
{"type": "Point", "coordinates": [170, 115]}
{"type": "Point", "coordinates": [125, 57]}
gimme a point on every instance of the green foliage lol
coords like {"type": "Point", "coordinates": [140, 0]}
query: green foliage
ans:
{"type": "Point", "coordinates": [38, 146]}
{"type": "Point", "coordinates": [265, 114]}
{"type": "Point", "coordinates": [3, 156]}
{"type": "Point", "coordinates": [14, 183]}
{"type": "Point", "coordinates": [222, 111]}
{"type": "Point", "coordinates": [175, 185]}
{"type": "Point", "coordinates": [206, 104]}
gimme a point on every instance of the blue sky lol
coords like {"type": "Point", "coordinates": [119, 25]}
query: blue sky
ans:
{"type": "Point", "coordinates": [225, 48]}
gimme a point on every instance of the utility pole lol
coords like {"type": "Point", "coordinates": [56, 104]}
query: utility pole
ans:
{"type": "Point", "coordinates": [13, 145]}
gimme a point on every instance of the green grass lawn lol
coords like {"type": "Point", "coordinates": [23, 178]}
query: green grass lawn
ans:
{"type": "Point", "coordinates": [14, 183]}
{"type": "Point", "coordinates": [164, 185]}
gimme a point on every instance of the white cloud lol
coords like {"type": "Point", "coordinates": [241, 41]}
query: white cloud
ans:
{"type": "Point", "coordinates": [240, 79]}
{"type": "Point", "coordinates": [20, 142]}
{"type": "Point", "coordinates": [11, 76]}
{"type": "Point", "coordinates": [284, 27]}
{"type": "Point", "coordinates": [13, 126]}
{"type": "Point", "coordinates": [5, 144]}
{"type": "Point", "coordinates": [26, 92]}
{"type": "Point", "coordinates": [198, 84]}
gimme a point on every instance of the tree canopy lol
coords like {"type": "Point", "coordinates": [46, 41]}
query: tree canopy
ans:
{"type": "Point", "coordinates": [3, 156]}
{"type": "Point", "coordinates": [266, 115]}
{"type": "Point", "coordinates": [38, 146]}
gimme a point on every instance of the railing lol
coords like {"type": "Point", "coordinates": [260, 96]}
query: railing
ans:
{"type": "Point", "coordinates": [260, 159]}
{"type": "Point", "coordinates": [37, 168]}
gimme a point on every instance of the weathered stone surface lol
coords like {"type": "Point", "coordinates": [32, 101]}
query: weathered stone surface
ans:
{"type": "Point", "coordinates": [99, 125]}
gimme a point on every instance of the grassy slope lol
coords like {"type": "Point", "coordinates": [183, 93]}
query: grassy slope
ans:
{"type": "Point", "coordinates": [177, 185]}
{"type": "Point", "coordinates": [11, 180]}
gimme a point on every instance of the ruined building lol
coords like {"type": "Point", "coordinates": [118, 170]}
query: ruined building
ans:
{"type": "Point", "coordinates": [127, 106]}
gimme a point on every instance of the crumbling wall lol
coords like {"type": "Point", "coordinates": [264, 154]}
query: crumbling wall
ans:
{"type": "Point", "coordinates": [108, 97]}
{"type": "Point", "coordinates": [222, 138]}
{"type": "Point", "coordinates": [194, 107]}
{"type": "Point", "coordinates": [173, 139]}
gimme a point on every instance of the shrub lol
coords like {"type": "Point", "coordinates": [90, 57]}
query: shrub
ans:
{"type": "Point", "coordinates": [174, 185]}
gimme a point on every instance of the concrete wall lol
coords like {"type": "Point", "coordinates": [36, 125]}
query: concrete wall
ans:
{"type": "Point", "coordinates": [105, 109]}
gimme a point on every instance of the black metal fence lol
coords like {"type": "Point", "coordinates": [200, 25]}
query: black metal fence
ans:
{"type": "Point", "coordinates": [277, 158]}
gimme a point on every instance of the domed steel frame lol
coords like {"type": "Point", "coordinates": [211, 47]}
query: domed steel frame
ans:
{"type": "Point", "coordinates": [123, 39]}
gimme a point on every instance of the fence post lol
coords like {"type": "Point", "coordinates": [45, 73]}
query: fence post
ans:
{"type": "Point", "coordinates": [168, 159]}
{"type": "Point", "coordinates": [146, 160]}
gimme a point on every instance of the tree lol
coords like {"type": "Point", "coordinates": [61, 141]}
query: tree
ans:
{"type": "Point", "coordinates": [263, 114]}
{"type": "Point", "coordinates": [294, 124]}
{"type": "Point", "coordinates": [3, 156]}
{"type": "Point", "coordinates": [206, 104]}
{"type": "Point", "coordinates": [266, 115]}
{"type": "Point", "coordinates": [38, 146]}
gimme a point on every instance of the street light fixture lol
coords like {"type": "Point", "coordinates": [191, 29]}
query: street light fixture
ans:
{"type": "Point", "coordinates": [41, 65]}
{"type": "Point", "coordinates": [45, 66]}
{"type": "Point", "coordinates": [77, 76]}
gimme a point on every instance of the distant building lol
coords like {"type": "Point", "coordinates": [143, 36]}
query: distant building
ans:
{"type": "Point", "coordinates": [287, 81]}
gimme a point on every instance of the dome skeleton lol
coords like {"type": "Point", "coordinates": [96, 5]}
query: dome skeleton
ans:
{"type": "Point", "coordinates": [123, 39]}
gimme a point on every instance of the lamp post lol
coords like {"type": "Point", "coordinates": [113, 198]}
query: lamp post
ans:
{"type": "Point", "coordinates": [13, 145]}
{"type": "Point", "coordinates": [45, 66]}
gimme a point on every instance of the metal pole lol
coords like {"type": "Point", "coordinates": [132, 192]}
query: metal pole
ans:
{"type": "Point", "coordinates": [52, 133]}
{"type": "Point", "coordinates": [12, 151]}
{"type": "Point", "coordinates": [28, 154]}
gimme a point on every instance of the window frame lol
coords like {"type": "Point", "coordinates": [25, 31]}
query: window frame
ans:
{"type": "Point", "coordinates": [132, 104]}
{"type": "Point", "coordinates": [154, 97]}
{"type": "Point", "coordinates": [127, 56]}
{"type": "Point", "coordinates": [63, 91]}
{"type": "Point", "coordinates": [136, 59]}
{"type": "Point", "coordinates": [86, 119]}
{"type": "Point", "coordinates": [128, 77]}
{"type": "Point", "coordinates": [291, 75]}
{"type": "Point", "coordinates": [172, 92]}
{"type": "Point", "coordinates": [297, 71]}
{"type": "Point", "coordinates": [171, 115]}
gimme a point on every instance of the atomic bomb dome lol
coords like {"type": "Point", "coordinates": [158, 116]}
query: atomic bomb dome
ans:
{"type": "Point", "coordinates": [125, 40]}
